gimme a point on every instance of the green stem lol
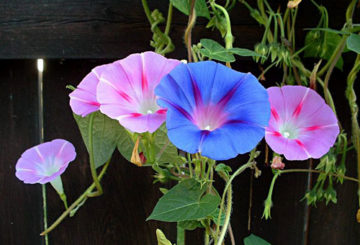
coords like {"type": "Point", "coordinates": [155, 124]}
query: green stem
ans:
{"type": "Point", "coordinates": [268, 201]}
{"type": "Point", "coordinates": [227, 216]}
{"type": "Point", "coordinates": [337, 54]}
{"type": "Point", "coordinates": [91, 159]}
{"type": "Point", "coordinates": [266, 70]}
{"type": "Point", "coordinates": [351, 96]}
{"type": "Point", "coordinates": [317, 172]}
{"type": "Point", "coordinates": [249, 164]}
{"type": "Point", "coordinates": [43, 188]}
{"type": "Point", "coordinates": [189, 27]}
{"type": "Point", "coordinates": [169, 18]}
{"type": "Point", "coordinates": [180, 235]}
{"type": "Point", "coordinates": [77, 202]}
{"type": "Point", "coordinates": [165, 39]}
{"type": "Point", "coordinates": [229, 38]}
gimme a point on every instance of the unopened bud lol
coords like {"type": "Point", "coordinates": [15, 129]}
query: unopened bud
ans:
{"type": "Point", "coordinates": [277, 163]}
{"type": "Point", "coordinates": [293, 3]}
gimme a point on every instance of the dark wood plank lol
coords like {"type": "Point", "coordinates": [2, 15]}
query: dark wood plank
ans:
{"type": "Point", "coordinates": [102, 28]}
{"type": "Point", "coordinates": [21, 204]}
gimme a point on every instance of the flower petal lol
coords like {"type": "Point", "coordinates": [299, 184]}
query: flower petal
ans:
{"type": "Point", "coordinates": [230, 140]}
{"type": "Point", "coordinates": [44, 162]}
{"type": "Point", "coordinates": [126, 90]}
{"type": "Point", "coordinates": [83, 98]}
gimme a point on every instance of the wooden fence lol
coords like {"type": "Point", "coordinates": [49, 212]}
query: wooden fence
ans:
{"type": "Point", "coordinates": [75, 36]}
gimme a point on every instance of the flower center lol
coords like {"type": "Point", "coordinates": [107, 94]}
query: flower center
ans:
{"type": "Point", "coordinates": [209, 117]}
{"type": "Point", "coordinates": [148, 107]}
{"type": "Point", "coordinates": [289, 131]}
{"type": "Point", "coordinates": [50, 166]}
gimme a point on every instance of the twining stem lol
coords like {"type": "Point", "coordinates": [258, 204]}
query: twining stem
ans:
{"type": "Point", "coordinates": [91, 159]}
{"type": "Point", "coordinates": [338, 51]}
{"type": "Point", "coordinates": [351, 96]}
{"type": "Point", "coordinates": [190, 25]}
{"type": "Point", "coordinates": [165, 39]}
{"type": "Point", "coordinates": [227, 193]}
{"type": "Point", "coordinates": [227, 215]}
{"type": "Point", "coordinates": [80, 199]}
{"type": "Point", "coordinates": [169, 18]}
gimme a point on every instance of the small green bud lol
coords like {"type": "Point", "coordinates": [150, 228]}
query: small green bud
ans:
{"type": "Point", "coordinates": [267, 209]}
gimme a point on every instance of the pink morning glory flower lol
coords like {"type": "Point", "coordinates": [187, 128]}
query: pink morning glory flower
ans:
{"type": "Point", "coordinates": [45, 162]}
{"type": "Point", "coordinates": [301, 125]}
{"type": "Point", "coordinates": [126, 91]}
{"type": "Point", "coordinates": [83, 98]}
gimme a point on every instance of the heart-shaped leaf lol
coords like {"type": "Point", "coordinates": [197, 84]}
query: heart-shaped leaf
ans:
{"type": "Point", "coordinates": [185, 201]}
{"type": "Point", "coordinates": [105, 132]}
{"type": "Point", "coordinates": [215, 51]}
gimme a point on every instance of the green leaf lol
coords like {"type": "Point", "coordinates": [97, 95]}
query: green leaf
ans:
{"type": "Point", "coordinates": [165, 151]}
{"type": "Point", "coordinates": [162, 240]}
{"type": "Point", "coordinates": [223, 168]}
{"type": "Point", "coordinates": [185, 201]}
{"type": "Point", "coordinates": [105, 135]}
{"type": "Point", "coordinates": [244, 52]}
{"type": "Point", "coordinates": [184, 7]}
{"type": "Point", "coordinates": [190, 225]}
{"type": "Point", "coordinates": [125, 144]}
{"type": "Point", "coordinates": [321, 45]}
{"type": "Point", "coordinates": [353, 43]}
{"type": "Point", "coordinates": [216, 51]}
{"type": "Point", "coordinates": [255, 240]}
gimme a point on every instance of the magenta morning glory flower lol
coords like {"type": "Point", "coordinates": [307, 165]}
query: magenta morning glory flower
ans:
{"type": "Point", "coordinates": [126, 91]}
{"type": "Point", "coordinates": [45, 162]}
{"type": "Point", "coordinates": [213, 109]}
{"type": "Point", "coordinates": [302, 125]}
{"type": "Point", "coordinates": [83, 98]}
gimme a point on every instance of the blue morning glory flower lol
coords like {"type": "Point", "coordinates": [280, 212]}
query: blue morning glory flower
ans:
{"type": "Point", "coordinates": [213, 109]}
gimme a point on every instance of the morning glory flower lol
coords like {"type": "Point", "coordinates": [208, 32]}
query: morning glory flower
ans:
{"type": "Point", "coordinates": [45, 163]}
{"type": "Point", "coordinates": [213, 109]}
{"type": "Point", "coordinates": [302, 125]}
{"type": "Point", "coordinates": [126, 91]}
{"type": "Point", "coordinates": [83, 99]}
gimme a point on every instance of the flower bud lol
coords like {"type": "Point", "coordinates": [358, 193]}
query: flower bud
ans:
{"type": "Point", "coordinates": [277, 163]}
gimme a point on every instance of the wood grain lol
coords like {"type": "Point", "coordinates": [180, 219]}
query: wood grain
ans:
{"type": "Point", "coordinates": [20, 204]}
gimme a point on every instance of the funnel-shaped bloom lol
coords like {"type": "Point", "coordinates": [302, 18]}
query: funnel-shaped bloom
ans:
{"type": "Point", "coordinates": [83, 99]}
{"type": "Point", "coordinates": [302, 125]}
{"type": "Point", "coordinates": [213, 109]}
{"type": "Point", "coordinates": [126, 91]}
{"type": "Point", "coordinates": [45, 162]}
